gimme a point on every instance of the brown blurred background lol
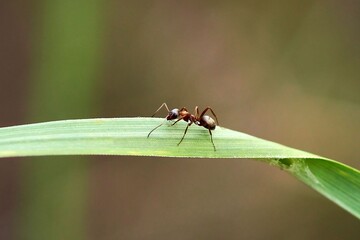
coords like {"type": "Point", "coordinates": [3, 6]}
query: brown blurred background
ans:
{"type": "Point", "coordinates": [283, 71]}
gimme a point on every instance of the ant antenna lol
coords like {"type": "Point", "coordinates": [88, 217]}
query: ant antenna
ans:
{"type": "Point", "coordinates": [162, 105]}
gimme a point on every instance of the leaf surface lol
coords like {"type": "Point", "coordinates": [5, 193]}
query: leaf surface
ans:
{"type": "Point", "coordinates": [128, 136]}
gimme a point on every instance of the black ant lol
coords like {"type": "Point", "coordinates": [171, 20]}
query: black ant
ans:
{"type": "Point", "coordinates": [183, 114]}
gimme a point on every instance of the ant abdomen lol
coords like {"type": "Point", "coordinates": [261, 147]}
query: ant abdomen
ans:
{"type": "Point", "coordinates": [207, 122]}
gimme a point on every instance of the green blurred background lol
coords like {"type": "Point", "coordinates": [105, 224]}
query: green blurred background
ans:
{"type": "Point", "coordinates": [284, 71]}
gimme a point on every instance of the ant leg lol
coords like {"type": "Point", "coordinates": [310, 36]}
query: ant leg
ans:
{"type": "Point", "coordinates": [196, 111]}
{"type": "Point", "coordinates": [183, 109]}
{"type": "Point", "coordinates": [154, 130]}
{"type": "Point", "coordinates": [181, 118]}
{"type": "Point", "coordinates": [162, 105]}
{"type": "Point", "coordinates": [184, 133]}
{"type": "Point", "coordinates": [205, 110]}
{"type": "Point", "coordinates": [212, 140]}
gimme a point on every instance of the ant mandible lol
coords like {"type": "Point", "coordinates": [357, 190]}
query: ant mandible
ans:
{"type": "Point", "coordinates": [183, 114]}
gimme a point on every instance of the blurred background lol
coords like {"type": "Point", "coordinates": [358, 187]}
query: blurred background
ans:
{"type": "Point", "coordinates": [283, 71]}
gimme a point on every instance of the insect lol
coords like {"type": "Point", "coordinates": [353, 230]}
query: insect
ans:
{"type": "Point", "coordinates": [183, 114]}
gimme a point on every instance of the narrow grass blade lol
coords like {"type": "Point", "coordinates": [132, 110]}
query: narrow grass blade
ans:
{"type": "Point", "coordinates": [128, 136]}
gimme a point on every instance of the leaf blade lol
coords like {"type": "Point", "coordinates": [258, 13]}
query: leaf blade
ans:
{"type": "Point", "coordinates": [128, 136]}
{"type": "Point", "coordinates": [117, 136]}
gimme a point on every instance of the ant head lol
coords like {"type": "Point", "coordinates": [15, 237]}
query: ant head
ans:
{"type": "Point", "coordinates": [173, 114]}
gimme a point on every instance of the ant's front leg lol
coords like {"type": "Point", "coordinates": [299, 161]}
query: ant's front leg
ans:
{"type": "Point", "coordinates": [154, 129]}
{"type": "Point", "coordinates": [181, 118]}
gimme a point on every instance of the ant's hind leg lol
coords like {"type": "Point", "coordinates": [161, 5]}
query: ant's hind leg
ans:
{"type": "Point", "coordinates": [211, 138]}
{"type": "Point", "coordinates": [205, 110]}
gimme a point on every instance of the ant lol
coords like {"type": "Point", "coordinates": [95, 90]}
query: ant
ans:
{"type": "Point", "coordinates": [183, 114]}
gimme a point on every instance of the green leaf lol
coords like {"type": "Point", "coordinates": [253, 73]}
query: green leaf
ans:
{"type": "Point", "coordinates": [128, 136]}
